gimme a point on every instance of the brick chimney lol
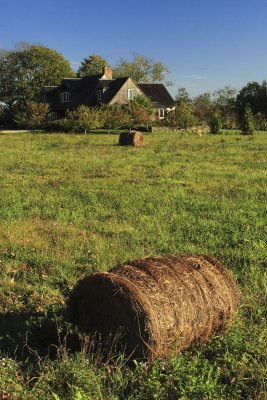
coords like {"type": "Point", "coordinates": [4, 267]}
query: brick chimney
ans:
{"type": "Point", "coordinates": [108, 71]}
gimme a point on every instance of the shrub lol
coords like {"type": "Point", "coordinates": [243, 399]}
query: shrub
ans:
{"type": "Point", "coordinates": [248, 122]}
{"type": "Point", "coordinates": [215, 123]}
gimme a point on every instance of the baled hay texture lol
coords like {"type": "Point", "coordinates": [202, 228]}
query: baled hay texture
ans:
{"type": "Point", "coordinates": [157, 304]}
{"type": "Point", "coordinates": [132, 138]}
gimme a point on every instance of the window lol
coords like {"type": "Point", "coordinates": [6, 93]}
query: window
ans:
{"type": "Point", "coordinates": [161, 113]}
{"type": "Point", "coordinates": [64, 97]}
{"type": "Point", "coordinates": [53, 115]}
{"type": "Point", "coordinates": [130, 94]}
{"type": "Point", "coordinates": [99, 95]}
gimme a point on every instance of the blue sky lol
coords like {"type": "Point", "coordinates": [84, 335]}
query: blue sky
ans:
{"type": "Point", "coordinates": [206, 44]}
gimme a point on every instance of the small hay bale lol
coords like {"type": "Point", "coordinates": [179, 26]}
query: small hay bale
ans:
{"type": "Point", "coordinates": [158, 304]}
{"type": "Point", "coordinates": [131, 138]}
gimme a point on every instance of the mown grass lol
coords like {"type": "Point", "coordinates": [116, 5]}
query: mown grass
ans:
{"type": "Point", "coordinates": [74, 204]}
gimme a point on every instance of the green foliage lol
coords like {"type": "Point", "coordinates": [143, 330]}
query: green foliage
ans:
{"type": "Point", "coordinates": [140, 110]}
{"type": "Point", "coordinates": [254, 94]}
{"type": "Point", "coordinates": [32, 115]}
{"type": "Point", "coordinates": [84, 118]}
{"type": "Point", "coordinates": [182, 117]}
{"type": "Point", "coordinates": [92, 65]}
{"type": "Point", "coordinates": [182, 96]}
{"type": "Point", "coordinates": [141, 69]}
{"type": "Point", "coordinates": [224, 101]}
{"type": "Point", "coordinates": [215, 123]}
{"type": "Point", "coordinates": [76, 204]}
{"type": "Point", "coordinates": [114, 116]}
{"type": "Point", "coordinates": [26, 69]}
{"type": "Point", "coordinates": [248, 122]}
{"type": "Point", "coordinates": [203, 108]}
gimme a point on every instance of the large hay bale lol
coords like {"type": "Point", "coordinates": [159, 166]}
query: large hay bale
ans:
{"type": "Point", "coordinates": [158, 304]}
{"type": "Point", "coordinates": [131, 138]}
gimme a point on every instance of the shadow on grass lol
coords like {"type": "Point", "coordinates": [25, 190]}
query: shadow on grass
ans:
{"type": "Point", "coordinates": [24, 335]}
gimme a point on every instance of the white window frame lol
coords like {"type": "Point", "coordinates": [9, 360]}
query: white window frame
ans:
{"type": "Point", "coordinates": [99, 94]}
{"type": "Point", "coordinates": [130, 94]}
{"type": "Point", "coordinates": [65, 97]}
{"type": "Point", "coordinates": [161, 113]}
{"type": "Point", "coordinates": [53, 115]}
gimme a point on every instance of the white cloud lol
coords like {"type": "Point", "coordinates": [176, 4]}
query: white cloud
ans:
{"type": "Point", "coordinates": [197, 77]}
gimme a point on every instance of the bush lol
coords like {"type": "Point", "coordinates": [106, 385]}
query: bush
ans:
{"type": "Point", "coordinates": [248, 122]}
{"type": "Point", "coordinates": [215, 123]}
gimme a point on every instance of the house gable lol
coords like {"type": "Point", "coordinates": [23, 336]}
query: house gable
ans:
{"type": "Point", "coordinates": [122, 95]}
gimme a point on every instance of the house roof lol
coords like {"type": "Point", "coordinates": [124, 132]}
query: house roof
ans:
{"type": "Point", "coordinates": [157, 93]}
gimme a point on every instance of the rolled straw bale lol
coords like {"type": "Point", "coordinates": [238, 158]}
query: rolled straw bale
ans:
{"type": "Point", "coordinates": [131, 138]}
{"type": "Point", "coordinates": [160, 304]}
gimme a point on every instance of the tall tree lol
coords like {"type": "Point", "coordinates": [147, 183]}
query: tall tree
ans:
{"type": "Point", "coordinates": [204, 108]}
{"type": "Point", "coordinates": [92, 65]}
{"type": "Point", "coordinates": [254, 94]}
{"type": "Point", "coordinates": [182, 96]}
{"type": "Point", "coordinates": [24, 70]}
{"type": "Point", "coordinates": [141, 69]}
{"type": "Point", "coordinates": [224, 99]}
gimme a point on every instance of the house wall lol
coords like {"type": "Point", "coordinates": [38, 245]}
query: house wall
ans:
{"type": "Point", "coordinates": [122, 96]}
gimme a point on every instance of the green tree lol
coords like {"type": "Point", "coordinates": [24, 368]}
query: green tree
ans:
{"type": "Point", "coordinates": [204, 108]}
{"type": "Point", "coordinates": [114, 116]}
{"type": "Point", "coordinates": [215, 123]}
{"type": "Point", "coordinates": [141, 69]}
{"type": "Point", "coordinates": [254, 94]}
{"type": "Point", "coordinates": [140, 111]}
{"type": "Point", "coordinates": [248, 122]}
{"type": "Point", "coordinates": [182, 96]}
{"type": "Point", "coordinates": [92, 65]}
{"type": "Point", "coordinates": [25, 70]}
{"type": "Point", "coordinates": [85, 118]}
{"type": "Point", "coordinates": [183, 115]}
{"type": "Point", "coordinates": [225, 101]}
{"type": "Point", "coordinates": [32, 115]}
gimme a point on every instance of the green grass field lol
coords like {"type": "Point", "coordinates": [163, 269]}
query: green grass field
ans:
{"type": "Point", "coordinates": [75, 204]}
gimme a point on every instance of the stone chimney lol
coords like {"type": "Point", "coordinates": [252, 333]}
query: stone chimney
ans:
{"type": "Point", "coordinates": [108, 72]}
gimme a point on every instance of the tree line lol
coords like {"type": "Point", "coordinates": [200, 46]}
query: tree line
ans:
{"type": "Point", "coordinates": [28, 67]}
{"type": "Point", "coordinates": [225, 108]}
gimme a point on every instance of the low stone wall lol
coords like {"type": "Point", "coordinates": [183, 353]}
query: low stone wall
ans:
{"type": "Point", "coordinates": [193, 129]}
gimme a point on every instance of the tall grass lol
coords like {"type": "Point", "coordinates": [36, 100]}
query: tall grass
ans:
{"type": "Point", "coordinates": [74, 204]}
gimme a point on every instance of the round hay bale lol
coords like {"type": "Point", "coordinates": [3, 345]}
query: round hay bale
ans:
{"type": "Point", "coordinates": [157, 305]}
{"type": "Point", "coordinates": [131, 138]}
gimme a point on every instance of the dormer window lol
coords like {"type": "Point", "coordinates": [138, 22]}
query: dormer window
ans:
{"type": "Point", "coordinates": [130, 94]}
{"type": "Point", "coordinates": [64, 97]}
{"type": "Point", "coordinates": [99, 95]}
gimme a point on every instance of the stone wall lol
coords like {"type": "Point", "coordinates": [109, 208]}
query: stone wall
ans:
{"type": "Point", "coordinates": [193, 129]}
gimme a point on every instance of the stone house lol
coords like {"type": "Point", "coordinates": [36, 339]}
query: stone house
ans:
{"type": "Point", "coordinates": [95, 90]}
